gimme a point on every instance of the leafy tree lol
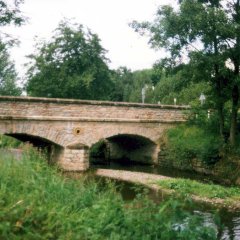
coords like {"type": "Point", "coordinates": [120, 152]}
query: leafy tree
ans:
{"type": "Point", "coordinates": [71, 65]}
{"type": "Point", "coordinates": [123, 80]}
{"type": "Point", "coordinates": [8, 75]}
{"type": "Point", "coordinates": [128, 85]}
{"type": "Point", "coordinates": [142, 78]}
{"type": "Point", "coordinates": [207, 32]}
{"type": "Point", "coordinates": [178, 83]}
{"type": "Point", "coordinates": [10, 14]}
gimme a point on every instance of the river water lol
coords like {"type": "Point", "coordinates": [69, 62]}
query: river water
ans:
{"type": "Point", "coordinates": [229, 220]}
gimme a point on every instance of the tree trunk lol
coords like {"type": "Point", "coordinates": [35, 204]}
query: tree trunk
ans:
{"type": "Point", "coordinates": [221, 121]}
{"type": "Point", "coordinates": [233, 129]}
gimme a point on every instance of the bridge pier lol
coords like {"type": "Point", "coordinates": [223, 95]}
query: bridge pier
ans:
{"type": "Point", "coordinates": [74, 158]}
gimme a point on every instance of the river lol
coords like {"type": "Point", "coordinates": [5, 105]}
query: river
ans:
{"type": "Point", "coordinates": [229, 220]}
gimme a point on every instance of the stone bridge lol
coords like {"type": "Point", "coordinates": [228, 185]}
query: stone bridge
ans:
{"type": "Point", "coordinates": [72, 127]}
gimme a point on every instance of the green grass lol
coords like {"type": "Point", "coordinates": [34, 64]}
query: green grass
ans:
{"type": "Point", "coordinates": [186, 186]}
{"type": "Point", "coordinates": [6, 141]}
{"type": "Point", "coordinates": [37, 202]}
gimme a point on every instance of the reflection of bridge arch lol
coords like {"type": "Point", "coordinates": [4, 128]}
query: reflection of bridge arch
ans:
{"type": "Point", "coordinates": [75, 125]}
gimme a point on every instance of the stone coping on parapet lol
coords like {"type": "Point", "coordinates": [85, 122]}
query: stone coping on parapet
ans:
{"type": "Point", "coordinates": [91, 102]}
{"type": "Point", "coordinates": [86, 119]}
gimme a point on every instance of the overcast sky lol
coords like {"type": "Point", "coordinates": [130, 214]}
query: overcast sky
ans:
{"type": "Point", "coordinates": [107, 18]}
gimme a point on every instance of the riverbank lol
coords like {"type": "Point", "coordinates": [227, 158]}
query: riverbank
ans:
{"type": "Point", "coordinates": [197, 147]}
{"type": "Point", "coordinates": [38, 202]}
{"type": "Point", "coordinates": [212, 194]}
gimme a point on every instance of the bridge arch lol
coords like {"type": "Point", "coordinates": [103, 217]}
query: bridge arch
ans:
{"type": "Point", "coordinates": [126, 148]}
{"type": "Point", "coordinates": [32, 130]}
{"type": "Point", "coordinates": [35, 140]}
{"type": "Point", "coordinates": [50, 148]}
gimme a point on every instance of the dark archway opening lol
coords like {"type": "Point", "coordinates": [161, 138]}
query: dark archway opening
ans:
{"type": "Point", "coordinates": [124, 149]}
{"type": "Point", "coordinates": [99, 153]}
{"type": "Point", "coordinates": [49, 148]}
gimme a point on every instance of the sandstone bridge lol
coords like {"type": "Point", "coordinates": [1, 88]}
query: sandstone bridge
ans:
{"type": "Point", "coordinates": [69, 128]}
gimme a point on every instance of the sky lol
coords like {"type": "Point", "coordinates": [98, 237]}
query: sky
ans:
{"type": "Point", "coordinates": [107, 18]}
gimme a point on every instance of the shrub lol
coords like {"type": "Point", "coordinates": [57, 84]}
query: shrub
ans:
{"type": "Point", "coordinates": [187, 142]}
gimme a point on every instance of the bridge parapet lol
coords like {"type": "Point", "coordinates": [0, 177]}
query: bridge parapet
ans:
{"type": "Point", "coordinates": [67, 109]}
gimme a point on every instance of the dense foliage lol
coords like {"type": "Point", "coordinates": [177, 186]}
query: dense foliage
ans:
{"type": "Point", "coordinates": [186, 143]}
{"type": "Point", "coordinates": [37, 203]}
{"type": "Point", "coordinates": [161, 85]}
{"type": "Point", "coordinates": [8, 75]}
{"type": "Point", "coordinates": [198, 139]}
{"type": "Point", "coordinates": [206, 33]}
{"type": "Point", "coordinates": [9, 142]}
{"type": "Point", "coordinates": [10, 14]}
{"type": "Point", "coordinates": [71, 65]}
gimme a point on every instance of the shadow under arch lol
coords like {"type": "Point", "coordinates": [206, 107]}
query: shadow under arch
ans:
{"type": "Point", "coordinates": [50, 148]}
{"type": "Point", "coordinates": [125, 148]}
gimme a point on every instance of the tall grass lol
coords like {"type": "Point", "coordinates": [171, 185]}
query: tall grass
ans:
{"type": "Point", "coordinates": [6, 141]}
{"type": "Point", "coordinates": [37, 202]}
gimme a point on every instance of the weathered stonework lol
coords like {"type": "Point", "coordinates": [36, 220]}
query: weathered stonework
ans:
{"type": "Point", "coordinates": [74, 160]}
{"type": "Point", "coordinates": [75, 125]}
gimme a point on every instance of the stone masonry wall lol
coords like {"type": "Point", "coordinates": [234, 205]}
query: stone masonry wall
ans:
{"type": "Point", "coordinates": [74, 160]}
{"type": "Point", "coordinates": [80, 124]}
{"type": "Point", "coordinates": [56, 108]}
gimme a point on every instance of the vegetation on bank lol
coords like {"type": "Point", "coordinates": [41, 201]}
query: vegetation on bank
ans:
{"type": "Point", "coordinates": [37, 202]}
{"type": "Point", "coordinates": [196, 146]}
{"type": "Point", "coordinates": [188, 142]}
{"type": "Point", "coordinates": [195, 140]}
{"type": "Point", "coordinates": [192, 187]}
{"type": "Point", "coordinates": [9, 142]}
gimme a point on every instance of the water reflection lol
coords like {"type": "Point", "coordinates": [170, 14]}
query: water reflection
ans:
{"type": "Point", "coordinates": [170, 172]}
{"type": "Point", "coordinates": [229, 221]}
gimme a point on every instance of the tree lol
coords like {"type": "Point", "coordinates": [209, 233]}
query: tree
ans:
{"type": "Point", "coordinates": [128, 85]}
{"type": "Point", "coordinates": [123, 80]}
{"type": "Point", "coordinates": [233, 8]}
{"type": "Point", "coordinates": [142, 79]}
{"type": "Point", "coordinates": [8, 75]}
{"type": "Point", "coordinates": [71, 65]}
{"type": "Point", "coordinates": [207, 32]}
{"type": "Point", "coordinates": [10, 14]}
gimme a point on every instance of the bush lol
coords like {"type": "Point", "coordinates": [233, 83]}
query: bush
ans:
{"type": "Point", "coordinates": [36, 202]}
{"type": "Point", "coordinates": [187, 142]}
